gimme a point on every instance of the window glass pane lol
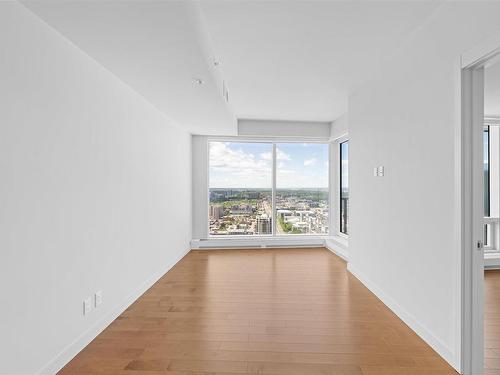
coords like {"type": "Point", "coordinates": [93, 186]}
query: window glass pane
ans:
{"type": "Point", "coordinates": [486, 170]}
{"type": "Point", "coordinates": [344, 187]}
{"type": "Point", "coordinates": [301, 188]}
{"type": "Point", "coordinates": [240, 188]}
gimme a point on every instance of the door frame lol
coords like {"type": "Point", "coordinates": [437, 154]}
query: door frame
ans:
{"type": "Point", "coordinates": [472, 214]}
{"type": "Point", "coordinates": [471, 209]}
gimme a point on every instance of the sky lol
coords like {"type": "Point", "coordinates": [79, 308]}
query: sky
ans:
{"type": "Point", "coordinates": [344, 160]}
{"type": "Point", "coordinates": [249, 165]}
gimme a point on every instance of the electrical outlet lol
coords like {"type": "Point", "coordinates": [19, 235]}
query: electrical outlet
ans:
{"type": "Point", "coordinates": [87, 306]}
{"type": "Point", "coordinates": [98, 298]}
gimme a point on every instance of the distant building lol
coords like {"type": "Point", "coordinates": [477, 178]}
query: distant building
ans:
{"type": "Point", "coordinates": [292, 219]}
{"type": "Point", "coordinates": [217, 196]}
{"type": "Point", "coordinates": [253, 195]}
{"type": "Point", "coordinates": [216, 211]}
{"type": "Point", "coordinates": [284, 213]}
{"type": "Point", "coordinates": [244, 209]}
{"type": "Point", "coordinates": [302, 226]}
{"type": "Point", "coordinates": [235, 230]}
{"type": "Point", "coordinates": [264, 224]}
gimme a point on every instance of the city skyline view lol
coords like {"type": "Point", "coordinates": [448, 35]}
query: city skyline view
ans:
{"type": "Point", "coordinates": [236, 211]}
{"type": "Point", "coordinates": [240, 188]}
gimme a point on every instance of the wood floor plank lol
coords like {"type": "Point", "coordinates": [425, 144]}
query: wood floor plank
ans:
{"type": "Point", "coordinates": [280, 311]}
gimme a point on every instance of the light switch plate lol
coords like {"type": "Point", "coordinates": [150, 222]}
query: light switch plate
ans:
{"type": "Point", "coordinates": [98, 298]}
{"type": "Point", "coordinates": [87, 306]}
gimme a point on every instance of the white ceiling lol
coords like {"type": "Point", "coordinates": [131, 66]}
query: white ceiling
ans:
{"type": "Point", "coordinates": [492, 90]}
{"type": "Point", "coordinates": [156, 47]}
{"type": "Point", "coordinates": [299, 60]}
{"type": "Point", "coordinates": [283, 60]}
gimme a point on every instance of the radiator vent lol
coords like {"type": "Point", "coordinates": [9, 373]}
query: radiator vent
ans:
{"type": "Point", "coordinates": [263, 246]}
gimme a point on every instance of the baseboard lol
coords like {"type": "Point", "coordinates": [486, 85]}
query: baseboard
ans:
{"type": "Point", "coordinates": [441, 348]}
{"type": "Point", "coordinates": [491, 261]}
{"type": "Point", "coordinates": [70, 351]}
{"type": "Point", "coordinates": [337, 249]}
{"type": "Point", "coordinates": [248, 243]}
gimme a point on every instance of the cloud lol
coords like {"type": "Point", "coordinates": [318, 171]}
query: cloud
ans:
{"type": "Point", "coordinates": [310, 162]}
{"type": "Point", "coordinates": [233, 167]}
{"type": "Point", "coordinates": [266, 156]}
{"type": "Point", "coordinates": [280, 155]}
{"type": "Point", "coordinates": [239, 165]}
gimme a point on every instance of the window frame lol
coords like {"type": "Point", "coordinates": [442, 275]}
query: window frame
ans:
{"type": "Point", "coordinates": [273, 141]}
{"type": "Point", "coordinates": [491, 224]}
{"type": "Point", "coordinates": [335, 182]}
{"type": "Point", "coordinates": [486, 129]}
{"type": "Point", "coordinates": [339, 196]}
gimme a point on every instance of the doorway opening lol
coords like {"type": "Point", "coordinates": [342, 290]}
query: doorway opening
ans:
{"type": "Point", "coordinates": [480, 214]}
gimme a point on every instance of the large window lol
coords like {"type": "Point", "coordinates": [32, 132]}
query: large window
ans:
{"type": "Point", "coordinates": [302, 188]}
{"type": "Point", "coordinates": [268, 188]}
{"type": "Point", "coordinates": [240, 188]}
{"type": "Point", "coordinates": [486, 169]}
{"type": "Point", "coordinates": [491, 172]}
{"type": "Point", "coordinates": [344, 187]}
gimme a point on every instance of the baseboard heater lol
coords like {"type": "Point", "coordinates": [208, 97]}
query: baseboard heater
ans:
{"type": "Point", "coordinates": [238, 244]}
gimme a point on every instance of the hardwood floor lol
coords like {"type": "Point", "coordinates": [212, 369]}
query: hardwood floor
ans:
{"type": "Point", "coordinates": [492, 322]}
{"type": "Point", "coordinates": [280, 311]}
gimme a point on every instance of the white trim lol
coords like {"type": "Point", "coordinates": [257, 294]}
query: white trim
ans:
{"type": "Point", "coordinates": [492, 260]}
{"type": "Point", "coordinates": [435, 343]}
{"type": "Point", "coordinates": [467, 179]}
{"type": "Point", "coordinates": [335, 185]}
{"type": "Point", "coordinates": [274, 215]}
{"type": "Point", "coordinates": [338, 188]}
{"type": "Point", "coordinates": [339, 246]}
{"type": "Point", "coordinates": [339, 138]}
{"type": "Point", "coordinates": [472, 218]}
{"type": "Point", "coordinates": [481, 52]}
{"type": "Point", "coordinates": [256, 242]}
{"type": "Point", "coordinates": [70, 351]}
{"type": "Point", "coordinates": [491, 121]}
{"type": "Point", "coordinates": [458, 217]}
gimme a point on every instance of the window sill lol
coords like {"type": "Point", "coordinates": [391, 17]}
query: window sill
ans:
{"type": "Point", "coordinates": [258, 242]}
{"type": "Point", "coordinates": [492, 260]}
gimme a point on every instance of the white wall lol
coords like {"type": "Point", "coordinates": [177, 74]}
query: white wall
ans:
{"type": "Point", "coordinates": [339, 127]}
{"type": "Point", "coordinates": [95, 194]}
{"type": "Point", "coordinates": [200, 186]}
{"type": "Point", "coordinates": [274, 128]}
{"type": "Point", "coordinates": [404, 242]}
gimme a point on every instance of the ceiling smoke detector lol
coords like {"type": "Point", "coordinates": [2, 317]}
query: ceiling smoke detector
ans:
{"type": "Point", "coordinates": [198, 81]}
